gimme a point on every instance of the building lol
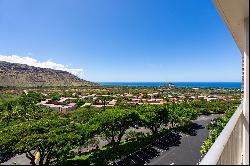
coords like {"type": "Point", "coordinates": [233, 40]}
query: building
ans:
{"type": "Point", "coordinates": [61, 106]}
{"type": "Point", "coordinates": [232, 145]}
{"type": "Point", "coordinates": [155, 101]}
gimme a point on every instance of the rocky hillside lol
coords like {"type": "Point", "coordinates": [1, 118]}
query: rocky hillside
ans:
{"type": "Point", "coordinates": [20, 75]}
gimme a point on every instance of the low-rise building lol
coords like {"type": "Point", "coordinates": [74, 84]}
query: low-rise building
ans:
{"type": "Point", "coordinates": [60, 106]}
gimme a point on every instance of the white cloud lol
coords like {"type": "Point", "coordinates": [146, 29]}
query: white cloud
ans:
{"type": "Point", "coordinates": [47, 64]}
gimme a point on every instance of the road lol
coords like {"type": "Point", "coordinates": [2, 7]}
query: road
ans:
{"type": "Point", "coordinates": [17, 160]}
{"type": "Point", "coordinates": [185, 150]}
{"type": "Point", "coordinates": [188, 152]}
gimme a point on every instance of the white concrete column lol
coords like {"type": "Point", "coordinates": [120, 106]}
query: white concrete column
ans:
{"type": "Point", "coordinates": [246, 93]}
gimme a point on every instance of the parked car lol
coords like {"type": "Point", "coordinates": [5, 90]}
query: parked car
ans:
{"type": "Point", "coordinates": [136, 126]}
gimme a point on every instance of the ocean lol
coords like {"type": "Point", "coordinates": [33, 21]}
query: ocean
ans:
{"type": "Point", "coordinates": [178, 84]}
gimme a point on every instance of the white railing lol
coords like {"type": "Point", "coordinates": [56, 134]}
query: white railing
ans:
{"type": "Point", "coordinates": [228, 147]}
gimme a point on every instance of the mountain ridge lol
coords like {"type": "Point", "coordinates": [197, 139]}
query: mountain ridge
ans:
{"type": "Point", "coordinates": [23, 75]}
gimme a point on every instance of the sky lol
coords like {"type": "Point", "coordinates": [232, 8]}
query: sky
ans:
{"type": "Point", "coordinates": [121, 40]}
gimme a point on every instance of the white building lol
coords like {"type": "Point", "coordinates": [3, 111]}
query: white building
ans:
{"type": "Point", "coordinates": [232, 145]}
{"type": "Point", "coordinates": [60, 105]}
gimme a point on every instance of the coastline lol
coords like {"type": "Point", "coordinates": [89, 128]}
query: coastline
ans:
{"type": "Point", "coordinates": [177, 84]}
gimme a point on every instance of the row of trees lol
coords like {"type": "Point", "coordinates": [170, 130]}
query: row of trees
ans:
{"type": "Point", "coordinates": [28, 128]}
{"type": "Point", "coordinates": [211, 107]}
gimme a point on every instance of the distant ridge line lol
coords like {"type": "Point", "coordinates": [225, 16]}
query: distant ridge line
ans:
{"type": "Point", "coordinates": [22, 75]}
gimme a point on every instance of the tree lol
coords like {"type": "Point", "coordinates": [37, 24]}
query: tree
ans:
{"type": "Point", "coordinates": [84, 114]}
{"type": "Point", "coordinates": [104, 99]}
{"type": "Point", "coordinates": [78, 101]}
{"type": "Point", "coordinates": [28, 128]}
{"type": "Point", "coordinates": [113, 123]}
{"type": "Point", "coordinates": [120, 102]}
{"type": "Point", "coordinates": [87, 100]}
{"type": "Point", "coordinates": [216, 127]}
{"type": "Point", "coordinates": [30, 98]}
{"type": "Point", "coordinates": [14, 113]}
{"type": "Point", "coordinates": [55, 96]}
{"type": "Point", "coordinates": [181, 116]}
{"type": "Point", "coordinates": [153, 116]}
{"type": "Point", "coordinates": [53, 138]}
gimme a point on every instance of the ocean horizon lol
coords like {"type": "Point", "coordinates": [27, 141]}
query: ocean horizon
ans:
{"type": "Point", "coordinates": [177, 84]}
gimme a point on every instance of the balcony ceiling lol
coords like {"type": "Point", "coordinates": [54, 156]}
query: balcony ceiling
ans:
{"type": "Point", "coordinates": [233, 13]}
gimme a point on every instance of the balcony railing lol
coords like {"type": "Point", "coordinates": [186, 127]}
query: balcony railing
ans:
{"type": "Point", "coordinates": [228, 147]}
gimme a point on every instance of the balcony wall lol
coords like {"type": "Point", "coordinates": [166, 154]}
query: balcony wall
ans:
{"type": "Point", "coordinates": [232, 145]}
{"type": "Point", "coordinates": [228, 149]}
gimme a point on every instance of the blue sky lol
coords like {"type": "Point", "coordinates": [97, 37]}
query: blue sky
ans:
{"type": "Point", "coordinates": [123, 40]}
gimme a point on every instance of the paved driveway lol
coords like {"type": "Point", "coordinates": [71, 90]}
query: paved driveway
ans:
{"type": "Point", "coordinates": [188, 152]}
{"type": "Point", "coordinates": [185, 150]}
